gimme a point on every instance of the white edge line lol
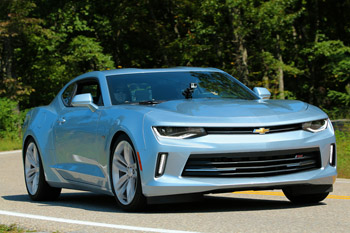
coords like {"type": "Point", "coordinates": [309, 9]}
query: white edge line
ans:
{"type": "Point", "coordinates": [343, 181]}
{"type": "Point", "coordinates": [10, 152]}
{"type": "Point", "coordinates": [87, 223]}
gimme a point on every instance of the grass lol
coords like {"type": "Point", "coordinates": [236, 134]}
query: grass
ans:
{"type": "Point", "coordinates": [10, 144]}
{"type": "Point", "coordinates": [343, 152]}
{"type": "Point", "coordinates": [342, 137]}
{"type": "Point", "coordinates": [12, 229]}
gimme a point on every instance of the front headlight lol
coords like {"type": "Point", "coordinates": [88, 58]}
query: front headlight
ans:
{"type": "Point", "coordinates": [179, 132]}
{"type": "Point", "coordinates": [315, 126]}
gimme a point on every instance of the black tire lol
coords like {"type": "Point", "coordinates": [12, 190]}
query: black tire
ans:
{"type": "Point", "coordinates": [137, 200]}
{"type": "Point", "coordinates": [42, 191]}
{"type": "Point", "coordinates": [305, 198]}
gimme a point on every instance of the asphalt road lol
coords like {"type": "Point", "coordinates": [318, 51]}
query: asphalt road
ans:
{"type": "Point", "coordinates": [77, 211]}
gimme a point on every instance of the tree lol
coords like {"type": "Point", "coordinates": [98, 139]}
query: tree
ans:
{"type": "Point", "coordinates": [50, 50]}
{"type": "Point", "coordinates": [275, 21]}
{"type": "Point", "coordinates": [14, 25]}
{"type": "Point", "coordinates": [296, 48]}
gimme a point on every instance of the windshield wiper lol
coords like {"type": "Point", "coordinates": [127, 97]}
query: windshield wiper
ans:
{"type": "Point", "coordinates": [148, 102]}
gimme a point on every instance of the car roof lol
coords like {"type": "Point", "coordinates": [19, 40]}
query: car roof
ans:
{"type": "Point", "coordinates": [157, 70]}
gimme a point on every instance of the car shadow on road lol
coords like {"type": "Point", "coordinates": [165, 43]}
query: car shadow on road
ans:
{"type": "Point", "coordinates": [225, 204]}
{"type": "Point", "coordinates": [103, 203]}
{"type": "Point", "coordinates": [79, 200]}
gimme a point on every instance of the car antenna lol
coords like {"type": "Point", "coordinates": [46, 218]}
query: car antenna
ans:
{"type": "Point", "coordinates": [189, 90]}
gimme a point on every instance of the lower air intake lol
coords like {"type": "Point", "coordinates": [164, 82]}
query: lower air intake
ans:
{"type": "Point", "coordinates": [252, 164]}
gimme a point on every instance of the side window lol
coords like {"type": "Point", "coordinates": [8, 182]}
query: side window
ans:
{"type": "Point", "coordinates": [91, 86]}
{"type": "Point", "coordinates": [67, 95]}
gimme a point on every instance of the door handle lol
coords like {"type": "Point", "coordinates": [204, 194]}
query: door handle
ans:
{"type": "Point", "coordinates": [61, 121]}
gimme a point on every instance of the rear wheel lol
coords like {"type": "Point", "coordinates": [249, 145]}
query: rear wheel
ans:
{"type": "Point", "coordinates": [37, 187]}
{"type": "Point", "coordinates": [305, 198]}
{"type": "Point", "coordinates": [126, 182]}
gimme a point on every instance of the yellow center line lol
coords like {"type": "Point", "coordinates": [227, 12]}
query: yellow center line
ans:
{"type": "Point", "coordinates": [338, 197]}
{"type": "Point", "coordinates": [272, 193]}
{"type": "Point", "coordinates": [269, 193]}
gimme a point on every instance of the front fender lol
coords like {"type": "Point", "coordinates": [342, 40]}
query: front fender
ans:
{"type": "Point", "coordinates": [38, 125]}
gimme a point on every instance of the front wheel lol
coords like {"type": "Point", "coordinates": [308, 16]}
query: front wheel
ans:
{"type": "Point", "coordinates": [126, 182]}
{"type": "Point", "coordinates": [37, 187]}
{"type": "Point", "coordinates": [305, 198]}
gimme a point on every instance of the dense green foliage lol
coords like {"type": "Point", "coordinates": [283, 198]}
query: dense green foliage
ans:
{"type": "Point", "coordinates": [296, 48]}
{"type": "Point", "coordinates": [10, 119]}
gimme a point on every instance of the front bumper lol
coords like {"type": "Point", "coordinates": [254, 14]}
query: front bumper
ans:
{"type": "Point", "coordinates": [169, 185]}
{"type": "Point", "coordinates": [179, 150]}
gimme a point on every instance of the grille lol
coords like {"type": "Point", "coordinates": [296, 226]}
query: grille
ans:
{"type": "Point", "coordinates": [250, 130]}
{"type": "Point", "coordinates": [252, 164]}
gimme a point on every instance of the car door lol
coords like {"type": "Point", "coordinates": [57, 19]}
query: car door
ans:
{"type": "Point", "coordinates": [76, 149]}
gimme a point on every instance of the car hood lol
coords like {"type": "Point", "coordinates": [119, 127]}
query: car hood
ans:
{"type": "Point", "coordinates": [233, 108]}
{"type": "Point", "coordinates": [228, 112]}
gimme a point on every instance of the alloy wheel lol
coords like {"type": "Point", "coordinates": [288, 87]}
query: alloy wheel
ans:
{"type": "Point", "coordinates": [124, 172]}
{"type": "Point", "coordinates": [32, 168]}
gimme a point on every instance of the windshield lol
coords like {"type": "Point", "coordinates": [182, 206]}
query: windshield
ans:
{"type": "Point", "coordinates": [165, 86]}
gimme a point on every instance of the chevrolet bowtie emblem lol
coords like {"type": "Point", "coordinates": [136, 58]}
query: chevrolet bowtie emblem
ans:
{"type": "Point", "coordinates": [261, 131]}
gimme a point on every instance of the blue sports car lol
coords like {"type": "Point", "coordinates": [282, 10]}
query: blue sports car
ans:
{"type": "Point", "coordinates": [159, 135]}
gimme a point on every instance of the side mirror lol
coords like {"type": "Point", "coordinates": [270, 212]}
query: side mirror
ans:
{"type": "Point", "coordinates": [84, 100]}
{"type": "Point", "coordinates": [262, 92]}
